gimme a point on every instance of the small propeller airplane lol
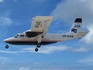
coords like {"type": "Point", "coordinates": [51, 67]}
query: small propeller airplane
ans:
{"type": "Point", "coordinates": [37, 34]}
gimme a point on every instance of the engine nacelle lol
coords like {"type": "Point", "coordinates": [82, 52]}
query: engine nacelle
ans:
{"type": "Point", "coordinates": [33, 34]}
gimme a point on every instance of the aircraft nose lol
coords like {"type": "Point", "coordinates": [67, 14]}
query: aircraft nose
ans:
{"type": "Point", "coordinates": [5, 40]}
{"type": "Point", "coordinates": [8, 40]}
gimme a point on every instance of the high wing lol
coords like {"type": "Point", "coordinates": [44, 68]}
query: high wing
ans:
{"type": "Point", "coordinates": [40, 25]}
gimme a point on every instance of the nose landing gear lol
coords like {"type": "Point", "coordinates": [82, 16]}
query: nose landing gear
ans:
{"type": "Point", "coordinates": [6, 46]}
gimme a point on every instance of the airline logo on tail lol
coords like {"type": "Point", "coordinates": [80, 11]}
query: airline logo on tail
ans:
{"type": "Point", "coordinates": [74, 30]}
{"type": "Point", "coordinates": [77, 26]}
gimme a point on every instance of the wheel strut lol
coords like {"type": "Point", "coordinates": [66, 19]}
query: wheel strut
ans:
{"type": "Point", "coordinates": [38, 45]}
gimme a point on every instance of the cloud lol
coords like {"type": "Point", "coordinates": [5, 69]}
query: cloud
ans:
{"type": "Point", "coordinates": [5, 21]}
{"type": "Point", "coordinates": [3, 60]}
{"type": "Point", "coordinates": [58, 48]}
{"type": "Point", "coordinates": [51, 49]}
{"type": "Point", "coordinates": [1, 0]}
{"type": "Point", "coordinates": [89, 37]}
{"type": "Point", "coordinates": [68, 10]}
{"type": "Point", "coordinates": [47, 49]}
{"type": "Point", "coordinates": [88, 60]}
{"type": "Point", "coordinates": [81, 49]}
{"type": "Point", "coordinates": [15, 0]}
{"type": "Point", "coordinates": [43, 50]}
{"type": "Point", "coordinates": [10, 52]}
{"type": "Point", "coordinates": [49, 66]}
{"type": "Point", "coordinates": [23, 68]}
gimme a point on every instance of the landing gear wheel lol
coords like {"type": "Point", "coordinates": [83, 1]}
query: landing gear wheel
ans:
{"type": "Point", "coordinates": [38, 45]}
{"type": "Point", "coordinates": [6, 46]}
{"type": "Point", "coordinates": [36, 49]}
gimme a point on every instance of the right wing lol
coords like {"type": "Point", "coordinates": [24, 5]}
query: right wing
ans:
{"type": "Point", "coordinates": [39, 26]}
{"type": "Point", "coordinates": [41, 23]}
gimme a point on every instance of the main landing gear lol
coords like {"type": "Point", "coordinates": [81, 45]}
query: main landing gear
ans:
{"type": "Point", "coordinates": [6, 46]}
{"type": "Point", "coordinates": [38, 46]}
{"type": "Point", "coordinates": [38, 43]}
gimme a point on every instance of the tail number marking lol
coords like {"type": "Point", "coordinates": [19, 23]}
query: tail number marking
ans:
{"type": "Point", "coordinates": [69, 36]}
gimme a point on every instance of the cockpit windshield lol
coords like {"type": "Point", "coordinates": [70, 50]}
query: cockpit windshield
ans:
{"type": "Point", "coordinates": [16, 36]}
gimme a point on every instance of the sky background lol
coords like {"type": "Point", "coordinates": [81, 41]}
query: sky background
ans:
{"type": "Point", "coordinates": [16, 17]}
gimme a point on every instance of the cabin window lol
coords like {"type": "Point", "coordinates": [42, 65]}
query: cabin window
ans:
{"type": "Point", "coordinates": [21, 35]}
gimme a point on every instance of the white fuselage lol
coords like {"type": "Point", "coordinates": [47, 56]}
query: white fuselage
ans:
{"type": "Point", "coordinates": [48, 39]}
{"type": "Point", "coordinates": [22, 39]}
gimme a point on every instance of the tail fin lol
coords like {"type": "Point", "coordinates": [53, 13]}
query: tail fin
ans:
{"type": "Point", "coordinates": [77, 26]}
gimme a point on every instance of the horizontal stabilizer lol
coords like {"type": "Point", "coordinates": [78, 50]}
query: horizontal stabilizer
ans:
{"type": "Point", "coordinates": [81, 34]}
